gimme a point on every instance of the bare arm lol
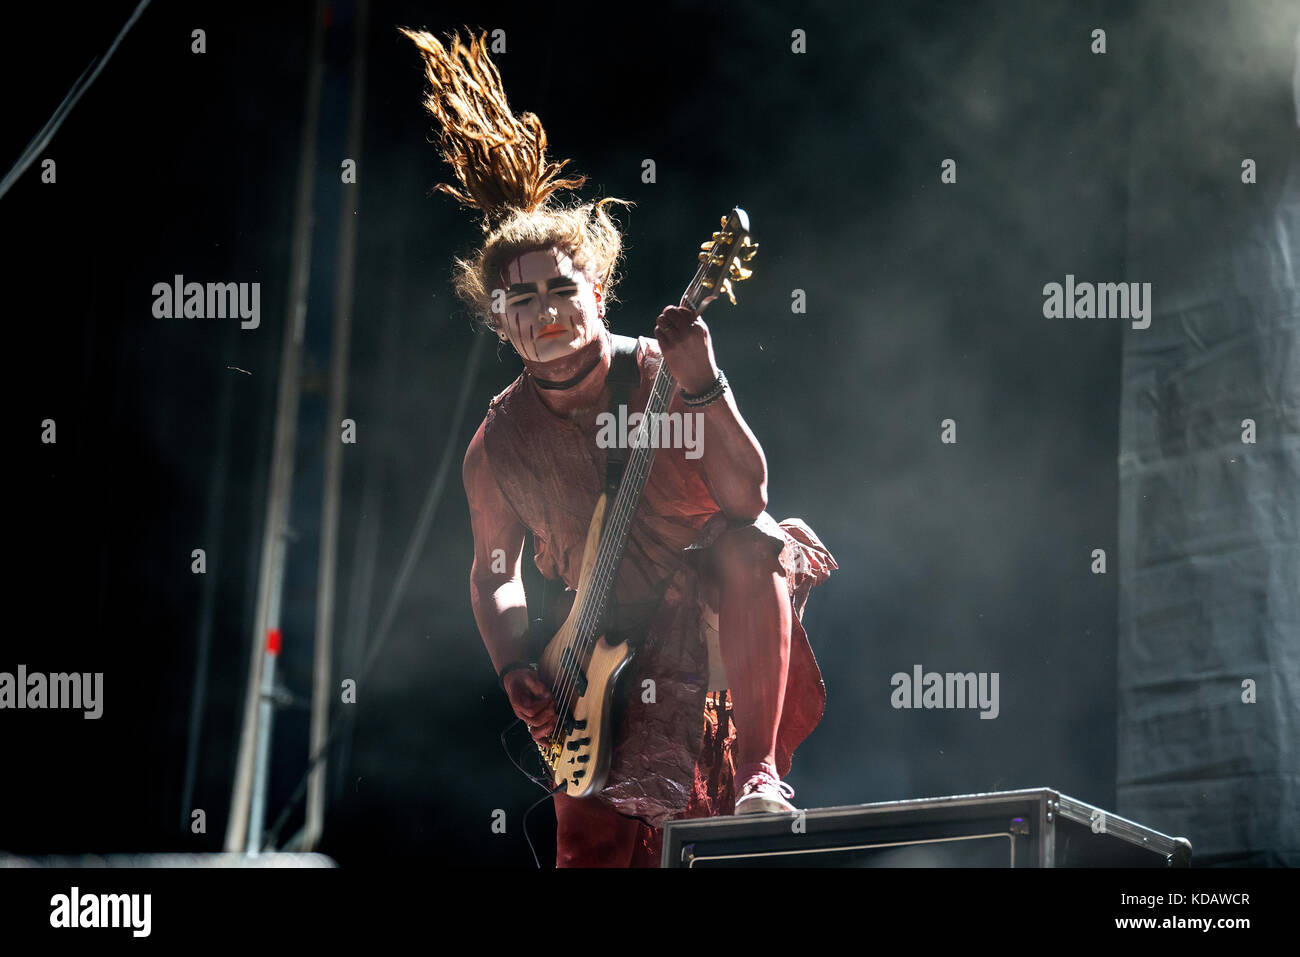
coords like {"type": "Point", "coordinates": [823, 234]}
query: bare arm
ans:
{"type": "Point", "coordinates": [735, 470]}
{"type": "Point", "coordinates": [732, 461]}
{"type": "Point", "coordinates": [496, 589]}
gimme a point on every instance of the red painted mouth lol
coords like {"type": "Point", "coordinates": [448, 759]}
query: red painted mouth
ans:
{"type": "Point", "coordinates": [550, 332]}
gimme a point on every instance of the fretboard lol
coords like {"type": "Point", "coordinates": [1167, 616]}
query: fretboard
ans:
{"type": "Point", "coordinates": [618, 519]}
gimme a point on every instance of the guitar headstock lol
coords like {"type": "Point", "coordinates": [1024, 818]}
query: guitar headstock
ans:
{"type": "Point", "coordinates": [722, 262]}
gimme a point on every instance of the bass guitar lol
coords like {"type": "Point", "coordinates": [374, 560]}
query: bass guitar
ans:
{"type": "Point", "coordinates": [580, 665]}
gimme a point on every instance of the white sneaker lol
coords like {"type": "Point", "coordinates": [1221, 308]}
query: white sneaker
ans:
{"type": "Point", "coordinates": [765, 793]}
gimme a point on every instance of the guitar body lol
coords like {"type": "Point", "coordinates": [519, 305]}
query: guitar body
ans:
{"type": "Point", "coordinates": [579, 753]}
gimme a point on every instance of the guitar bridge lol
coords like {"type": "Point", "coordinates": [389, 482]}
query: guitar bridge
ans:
{"type": "Point", "coordinates": [552, 752]}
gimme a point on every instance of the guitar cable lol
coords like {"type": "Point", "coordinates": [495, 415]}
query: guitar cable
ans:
{"type": "Point", "coordinates": [522, 770]}
{"type": "Point", "coordinates": [550, 792]}
{"type": "Point", "coordinates": [546, 797]}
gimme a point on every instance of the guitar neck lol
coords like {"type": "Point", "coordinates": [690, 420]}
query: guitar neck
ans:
{"type": "Point", "coordinates": [721, 264]}
{"type": "Point", "coordinates": [619, 517]}
{"type": "Point", "coordinates": [637, 470]}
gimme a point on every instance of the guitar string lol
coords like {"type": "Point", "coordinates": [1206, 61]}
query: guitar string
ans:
{"type": "Point", "coordinates": [610, 553]}
{"type": "Point", "coordinates": [609, 558]}
{"type": "Point", "coordinates": [589, 616]}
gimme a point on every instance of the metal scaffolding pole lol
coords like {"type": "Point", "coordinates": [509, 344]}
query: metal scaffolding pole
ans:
{"type": "Point", "coordinates": [322, 683]}
{"type": "Point", "coordinates": [254, 738]}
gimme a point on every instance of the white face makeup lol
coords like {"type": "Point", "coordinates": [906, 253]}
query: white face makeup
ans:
{"type": "Point", "coordinates": [551, 309]}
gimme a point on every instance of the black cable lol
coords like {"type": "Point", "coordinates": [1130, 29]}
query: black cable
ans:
{"type": "Point", "coordinates": [46, 133]}
{"type": "Point", "coordinates": [553, 792]}
{"type": "Point", "coordinates": [544, 785]}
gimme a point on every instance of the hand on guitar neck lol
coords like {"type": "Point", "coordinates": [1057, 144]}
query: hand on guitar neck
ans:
{"type": "Point", "coordinates": [687, 347]}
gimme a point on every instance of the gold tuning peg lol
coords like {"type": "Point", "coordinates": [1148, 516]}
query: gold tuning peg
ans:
{"type": "Point", "coordinates": [704, 257]}
{"type": "Point", "coordinates": [739, 272]}
{"type": "Point", "coordinates": [724, 222]}
{"type": "Point", "coordinates": [726, 287]}
{"type": "Point", "coordinates": [749, 251]}
{"type": "Point", "coordinates": [707, 284]}
{"type": "Point", "coordinates": [707, 244]}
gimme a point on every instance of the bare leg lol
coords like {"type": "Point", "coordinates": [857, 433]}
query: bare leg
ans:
{"type": "Point", "coordinates": [754, 623]}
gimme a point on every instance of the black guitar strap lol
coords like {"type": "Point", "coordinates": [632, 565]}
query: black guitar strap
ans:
{"type": "Point", "coordinates": [624, 623]}
{"type": "Point", "coordinates": [623, 377]}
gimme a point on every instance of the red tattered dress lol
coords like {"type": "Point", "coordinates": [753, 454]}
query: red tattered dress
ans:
{"type": "Point", "coordinates": [672, 756]}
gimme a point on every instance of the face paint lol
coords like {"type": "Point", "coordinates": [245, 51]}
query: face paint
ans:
{"type": "Point", "coordinates": [550, 306]}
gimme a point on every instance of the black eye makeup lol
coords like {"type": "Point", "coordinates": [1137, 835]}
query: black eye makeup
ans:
{"type": "Point", "coordinates": [567, 288]}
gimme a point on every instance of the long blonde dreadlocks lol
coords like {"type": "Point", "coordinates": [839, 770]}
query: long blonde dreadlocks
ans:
{"type": "Point", "coordinates": [499, 160]}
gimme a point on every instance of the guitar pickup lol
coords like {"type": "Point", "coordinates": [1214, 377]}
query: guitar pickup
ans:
{"type": "Point", "coordinates": [569, 665]}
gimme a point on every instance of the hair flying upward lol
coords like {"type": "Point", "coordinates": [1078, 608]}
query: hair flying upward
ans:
{"type": "Point", "coordinates": [499, 160]}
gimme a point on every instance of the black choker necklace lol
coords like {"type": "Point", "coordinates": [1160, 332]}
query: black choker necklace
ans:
{"type": "Point", "coordinates": [567, 383]}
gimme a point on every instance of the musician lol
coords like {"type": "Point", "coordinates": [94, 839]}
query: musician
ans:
{"type": "Point", "coordinates": [710, 589]}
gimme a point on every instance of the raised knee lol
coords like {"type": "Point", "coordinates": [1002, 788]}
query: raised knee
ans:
{"type": "Point", "coordinates": [744, 551]}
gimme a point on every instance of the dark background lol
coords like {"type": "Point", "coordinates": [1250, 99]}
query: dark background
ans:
{"type": "Point", "coordinates": [924, 303]}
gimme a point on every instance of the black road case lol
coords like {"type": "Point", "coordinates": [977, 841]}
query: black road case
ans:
{"type": "Point", "coordinates": [1036, 827]}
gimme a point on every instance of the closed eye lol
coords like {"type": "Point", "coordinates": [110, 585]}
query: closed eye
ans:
{"type": "Point", "coordinates": [518, 299]}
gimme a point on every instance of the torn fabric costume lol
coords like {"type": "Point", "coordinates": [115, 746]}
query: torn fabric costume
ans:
{"type": "Point", "coordinates": [672, 756]}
